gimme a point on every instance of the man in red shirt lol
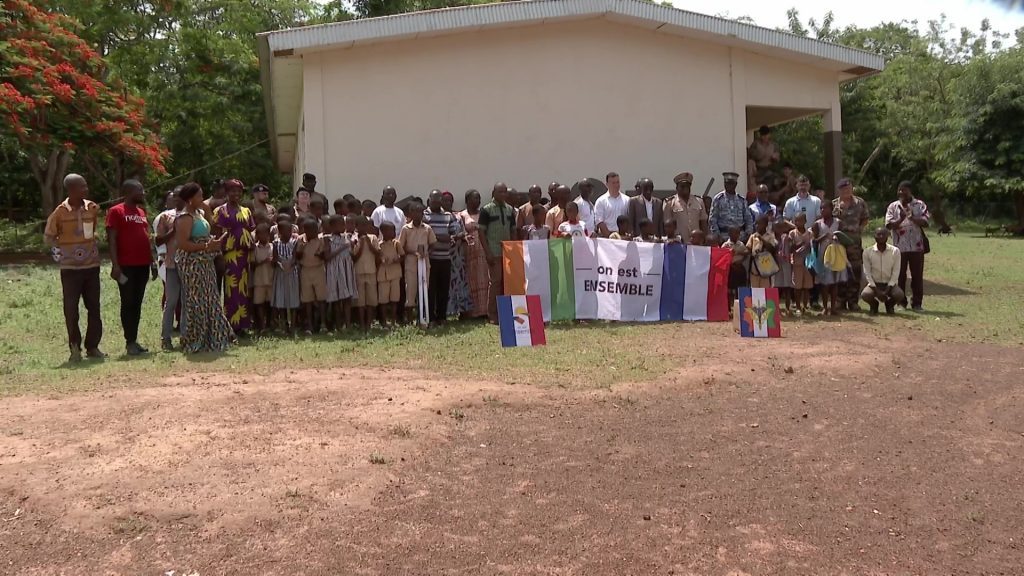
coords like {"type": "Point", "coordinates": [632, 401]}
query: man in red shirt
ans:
{"type": "Point", "coordinates": [131, 256]}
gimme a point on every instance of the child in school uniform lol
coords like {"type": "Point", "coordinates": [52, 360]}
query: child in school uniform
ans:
{"type": "Point", "coordinates": [262, 276]}
{"type": "Point", "coordinates": [698, 238]}
{"type": "Point", "coordinates": [624, 232]}
{"type": "Point", "coordinates": [740, 258]}
{"type": "Point", "coordinates": [284, 301]}
{"type": "Point", "coordinates": [823, 232]}
{"type": "Point", "coordinates": [762, 240]}
{"type": "Point", "coordinates": [800, 239]}
{"type": "Point", "coordinates": [784, 279]}
{"type": "Point", "coordinates": [341, 273]}
{"type": "Point", "coordinates": [365, 254]}
{"type": "Point", "coordinates": [341, 207]}
{"type": "Point", "coordinates": [415, 240]}
{"type": "Point", "coordinates": [389, 274]}
{"type": "Point", "coordinates": [537, 230]}
{"type": "Point", "coordinates": [646, 232]}
{"type": "Point", "coordinates": [573, 227]}
{"type": "Point", "coordinates": [312, 275]}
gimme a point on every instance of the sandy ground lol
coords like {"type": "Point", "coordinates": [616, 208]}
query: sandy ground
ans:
{"type": "Point", "coordinates": [792, 457]}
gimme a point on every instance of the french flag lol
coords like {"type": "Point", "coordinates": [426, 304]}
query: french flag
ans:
{"type": "Point", "coordinates": [705, 281]}
{"type": "Point", "coordinates": [521, 321]}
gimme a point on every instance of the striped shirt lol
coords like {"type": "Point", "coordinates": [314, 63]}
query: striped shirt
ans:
{"type": "Point", "coordinates": [445, 225]}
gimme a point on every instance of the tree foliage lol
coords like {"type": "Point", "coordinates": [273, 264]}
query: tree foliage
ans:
{"type": "Point", "coordinates": [56, 97]}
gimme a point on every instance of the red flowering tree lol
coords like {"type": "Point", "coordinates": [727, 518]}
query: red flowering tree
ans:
{"type": "Point", "coordinates": [56, 99]}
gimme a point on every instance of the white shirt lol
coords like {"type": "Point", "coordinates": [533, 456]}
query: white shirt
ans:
{"type": "Point", "coordinates": [384, 214]}
{"type": "Point", "coordinates": [881, 267]}
{"type": "Point", "coordinates": [811, 206]}
{"type": "Point", "coordinates": [586, 213]}
{"type": "Point", "coordinates": [579, 229]}
{"type": "Point", "coordinates": [649, 204]}
{"type": "Point", "coordinates": [607, 209]}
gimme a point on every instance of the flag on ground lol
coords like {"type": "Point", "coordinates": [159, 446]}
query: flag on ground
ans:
{"type": "Point", "coordinates": [520, 321]}
{"type": "Point", "coordinates": [759, 313]}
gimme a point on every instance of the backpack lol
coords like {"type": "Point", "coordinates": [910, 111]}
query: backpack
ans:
{"type": "Point", "coordinates": [835, 258]}
{"type": "Point", "coordinates": [764, 265]}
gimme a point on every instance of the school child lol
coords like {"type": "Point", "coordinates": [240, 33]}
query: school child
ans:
{"type": "Point", "coordinates": [573, 227]}
{"type": "Point", "coordinates": [284, 302]}
{"type": "Point", "coordinates": [784, 279]}
{"type": "Point", "coordinates": [537, 230]}
{"type": "Point", "coordinates": [368, 206]}
{"type": "Point", "coordinates": [312, 277]}
{"type": "Point", "coordinates": [341, 273]}
{"type": "Point", "coordinates": [823, 233]}
{"type": "Point", "coordinates": [646, 231]}
{"type": "Point", "coordinates": [800, 239]}
{"type": "Point", "coordinates": [389, 274]}
{"type": "Point", "coordinates": [415, 239]}
{"type": "Point", "coordinates": [698, 238]}
{"type": "Point", "coordinates": [262, 276]}
{"type": "Point", "coordinates": [740, 257]}
{"type": "Point", "coordinates": [341, 207]}
{"type": "Point", "coordinates": [762, 241]}
{"type": "Point", "coordinates": [317, 211]}
{"type": "Point", "coordinates": [354, 207]}
{"type": "Point", "coordinates": [625, 232]}
{"type": "Point", "coordinates": [365, 254]}
{"type": "Point", "coordinates": [671, 237]}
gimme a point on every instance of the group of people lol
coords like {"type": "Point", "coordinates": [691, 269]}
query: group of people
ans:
{"type": "Point", "coordinates": [232, 265]}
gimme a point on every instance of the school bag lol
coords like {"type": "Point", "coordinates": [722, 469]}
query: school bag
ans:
{"type": "Point", "coordinates": [764, 265]}
{"type": "Point", "coordinates": [835, 258]}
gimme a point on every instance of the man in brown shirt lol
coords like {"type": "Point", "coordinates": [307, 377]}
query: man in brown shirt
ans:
{"type": "Point", "coordinates": [71, 234]}
{"type": "Point", "coordinates": [686, 210]}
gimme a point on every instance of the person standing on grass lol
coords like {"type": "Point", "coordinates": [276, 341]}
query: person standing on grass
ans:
{"type": "Point", "coordinates": [71, 235]}
{"type": "Point", "coordinates": [165, 232]}
{"type": "Point", "coordinates": [476, 258]}
{"type": "Point", "coordinates": [686, 210]}
{"type": "Point", "coordinates": [131, 257]}
{"type": "Point", "coordinates": [586, 212]}
{"type": "Point", "coordinates": [907, 217]}
{"type": "Point", "coordinates": [261, 203]}
{"type": "Point", "coordinates": [237, 222]}
{"type": "Point", "coordinates": [497, 224]}
{"type": "Point", "coordinates": [881, 270]}
{"type": "Point", "coordinates": [729, 210]}
{"type": "Point", "coordinates": [446, 228]}
{"type": "Point", "coordinates": [524, 214]}
{"type": "Point", "coordinates": [852, 214]}
{"type": "Point", "coordinates": [205, 328]}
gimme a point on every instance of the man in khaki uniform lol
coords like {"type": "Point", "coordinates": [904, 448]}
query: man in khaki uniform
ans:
{"type": "Point", "coordinates": [686, 210]}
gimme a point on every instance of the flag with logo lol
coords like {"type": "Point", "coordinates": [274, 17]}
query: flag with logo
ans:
{"type": "Point", "coordinates": [520, 321]}
{"type": "Point", "coordinates": [759, 313]}
{"type": "Point", "coordinates": [583, 278]}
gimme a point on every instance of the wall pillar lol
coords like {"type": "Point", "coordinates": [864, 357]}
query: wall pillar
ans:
{"type": "Point", "coordinates": [833, 135]}
{"type": "Point", "coordinates": [740, 134]}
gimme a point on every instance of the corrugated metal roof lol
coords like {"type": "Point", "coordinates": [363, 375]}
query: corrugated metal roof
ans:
{"type": "Point", "coordinates": [452, 20]}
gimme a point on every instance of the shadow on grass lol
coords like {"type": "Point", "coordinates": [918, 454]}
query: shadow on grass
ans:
{"type": "Point", "coordinates": [936, 289]}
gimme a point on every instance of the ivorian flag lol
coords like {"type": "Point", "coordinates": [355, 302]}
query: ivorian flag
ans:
{"type": "Point", "coordinates": [604, 279]}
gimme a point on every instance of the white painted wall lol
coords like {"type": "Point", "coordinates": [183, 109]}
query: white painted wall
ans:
{"type": "Point", "coordinates": [528, 105]}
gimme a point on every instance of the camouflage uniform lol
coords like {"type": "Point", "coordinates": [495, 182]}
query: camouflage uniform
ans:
{"type": "Point", "coordinates": [850, 222]}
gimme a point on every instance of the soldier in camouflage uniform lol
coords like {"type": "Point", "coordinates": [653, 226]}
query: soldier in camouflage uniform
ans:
{"type": "Point", "coordinates": [852, 213]}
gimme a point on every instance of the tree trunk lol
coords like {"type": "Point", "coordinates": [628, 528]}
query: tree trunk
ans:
{"type": "Point", "coordinates": [49, 174]}
{"type": "Point", "coordinates": [1018, 200]}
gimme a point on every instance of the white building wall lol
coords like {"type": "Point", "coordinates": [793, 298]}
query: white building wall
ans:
{"type": "Point", "coordinates": [524, 105]}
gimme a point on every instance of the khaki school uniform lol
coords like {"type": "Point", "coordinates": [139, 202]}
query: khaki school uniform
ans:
{"type": "Point", "coordinates": [410, 241]}
{"type": "Point", "coordinates": [263, 274]}
{"type": "Point", "coordinates": [312, 274]}
{"type": "Point", "coordinates": [366, 272]}
{"type": "Point", "coordinates": [389, 274]}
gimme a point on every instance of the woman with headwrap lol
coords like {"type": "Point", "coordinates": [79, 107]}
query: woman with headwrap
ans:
{"type": "Point", "coordinates": [238, 224]}
{"type": "Point", "coordinates": [459, 301]}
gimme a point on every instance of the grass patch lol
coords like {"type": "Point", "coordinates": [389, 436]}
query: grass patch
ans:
{"type": "Point", "coordinates": [401, 430]}
{"type": "Point", "coordinates": [973, 293]}
{"type": "Point", "coordinates": [378, 458]}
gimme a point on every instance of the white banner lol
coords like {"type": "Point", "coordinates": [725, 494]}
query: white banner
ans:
{"type": "Point", "coordinates": [618, 280]}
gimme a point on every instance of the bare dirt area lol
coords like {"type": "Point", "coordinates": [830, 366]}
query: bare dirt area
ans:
{"type": "Point", "coordinates": [801, 456]}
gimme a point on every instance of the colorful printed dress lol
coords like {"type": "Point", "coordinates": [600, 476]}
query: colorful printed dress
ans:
{"type": "Point", "coordinates": [476, 264]}
{"type": "Point", "coordinates": [238, 222]}
{"type": "Point", "coordinates": [341, 272]}
{"type": "Point", "coordinates": [286, 282]}
{"type": "Point", "coordinates": [459, 300]}
{"type": "Point", "coordinates": [205, 328]}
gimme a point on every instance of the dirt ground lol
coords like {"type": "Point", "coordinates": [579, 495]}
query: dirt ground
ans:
{"type": "Point", "coordinates": [792, 457]}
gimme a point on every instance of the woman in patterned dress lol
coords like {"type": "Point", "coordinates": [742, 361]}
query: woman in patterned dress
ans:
{"type": "Point", "coordinates": [237, 222]}
{"type": "Point", "coordinates": [476, 259]}
{"type": "Point", "coordinates": [459, 301]}
{"type": "Point", "coordinates": [206, 328]}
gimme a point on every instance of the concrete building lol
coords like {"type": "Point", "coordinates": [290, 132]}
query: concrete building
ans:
{"type": "Point", "coordinates": [533, 91]}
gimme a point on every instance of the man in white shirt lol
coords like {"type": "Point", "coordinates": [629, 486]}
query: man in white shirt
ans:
{"type": "Point", "coordinates": [610, 206]}
{"type": "Point", "coordinates": [882, 271]}
{"type": "Point", "coordinates": [587, 214]}
{"type": "Point", "coordinates": [803, 203]}
{"type": "Point", "coordinates": [387, 211]}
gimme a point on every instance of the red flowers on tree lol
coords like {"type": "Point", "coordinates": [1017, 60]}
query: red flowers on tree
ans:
{"type": "Point", "coordinates": [56, 97]}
